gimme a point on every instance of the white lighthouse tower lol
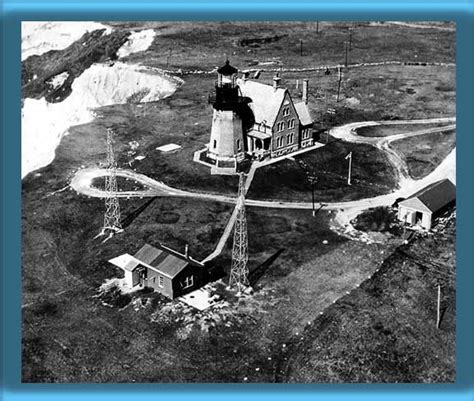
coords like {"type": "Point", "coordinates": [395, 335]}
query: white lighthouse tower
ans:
{"type": "Point", "coordinates": [226, 146]}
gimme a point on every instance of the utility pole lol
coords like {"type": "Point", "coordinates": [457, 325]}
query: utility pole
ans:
{"type": "Point", "coordinates": [112, 224]}
{"type": "Point", "coordinates": [438, 311]}
{"type": "Point", "coordinates": [405, 227]}
{"type": "Point", "coordinates": [301, 47]}
{"type": "Point", "coordinates": [168, 57]}
{"type": "Point", "coordinates": [239, 270]}
{"type": "Point", "coordinates": [345, 52]}
{"type": "Point", "coordinates": [350, 39]}
{"type": "Point", "coordinates": [339, 70]}
{"type": "Point", "coordinates": [317, 27]}
{"type": "Point", "coordinates": [313, 179]}
{"type": "Point", "coordinates": [349, 156]}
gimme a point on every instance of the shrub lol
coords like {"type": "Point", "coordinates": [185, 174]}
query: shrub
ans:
{"type": "Point", "coordinates": [377, 219]}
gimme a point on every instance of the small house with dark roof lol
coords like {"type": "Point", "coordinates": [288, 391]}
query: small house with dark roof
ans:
{"type": "Point", "coordinates": [423, 206]}
{"type": "Point", "coordinates": [165, 270]}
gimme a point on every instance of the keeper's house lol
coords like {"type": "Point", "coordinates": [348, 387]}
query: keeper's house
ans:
{"type": "Point", "coordinates": [255, 119]}
{"type": "Point", "coordinates": [423, 206]}
{"type": "Point", "coordinates": [166, 271]}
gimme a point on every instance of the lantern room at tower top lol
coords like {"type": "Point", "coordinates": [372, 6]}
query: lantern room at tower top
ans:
{"type": "Point", "coordinates": [227, 92]}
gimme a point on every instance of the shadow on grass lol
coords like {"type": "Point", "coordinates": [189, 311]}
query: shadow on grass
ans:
{"type": "Point", "coordinates": [259, 271]}
{"type": "Point", "coordinates": [135, 213]}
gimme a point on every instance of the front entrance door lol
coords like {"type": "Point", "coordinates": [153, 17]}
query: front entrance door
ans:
{"type": "Point", "coordinates": [418, 218]}
{"type": "Point", "coordinates": [142, 276]}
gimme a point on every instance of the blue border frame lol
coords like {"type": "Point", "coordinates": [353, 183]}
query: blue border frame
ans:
{"type": "Point", "coordinates": [14, 11]}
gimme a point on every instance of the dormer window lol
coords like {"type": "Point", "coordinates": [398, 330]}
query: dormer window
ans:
{"type": "Point", "coordinates": [188, 282]}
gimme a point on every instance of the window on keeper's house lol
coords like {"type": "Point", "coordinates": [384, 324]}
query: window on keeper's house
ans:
{"type": "Point", "coordinates": [238, 144]}
{"type": "Point", "coordinates": [160, 281]}
{"type": "Point", "coordinates": [188, 282]}
{"type": "Point", "coordinates": [215, 143]}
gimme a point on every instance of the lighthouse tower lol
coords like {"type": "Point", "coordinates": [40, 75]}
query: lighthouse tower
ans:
{"type": "Point", "coordinates": [226, 146]}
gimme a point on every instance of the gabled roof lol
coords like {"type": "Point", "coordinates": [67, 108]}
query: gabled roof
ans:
{"type": "Point", "coordinates": [434, 197]}
{"type": "Point", "coordinates": [125, 262]}
{"type": "Point", "coordinates": [303, 113]}
{"type": "Point", "coordinates": [266, 101]}
{"type": "Point", "coordinates": [162, 260]}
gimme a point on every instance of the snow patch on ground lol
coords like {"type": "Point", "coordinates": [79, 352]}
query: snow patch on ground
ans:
{"type": "Point", "coordinates": [137, 42]}
{"type": "Point", "coordinates": [200, 299]}
{"type": "Point", "coordinates": [38, 37]}
{"type": "Point", "coordinates": [118, 283]}
{"type": "Point", "coordinates": [44, 124]}
{"type": "Point", "coordinates": [169, 147]}
{"type": "Point", "coordinates": [58, 80]}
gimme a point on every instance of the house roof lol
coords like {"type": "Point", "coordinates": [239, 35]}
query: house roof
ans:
{"type": "Point", "coordinates": [162, 260]}
{"type": "Point", "coordinates": [433, 197]}
{"type": "Point", "coordinates": [125, 262]}
{"type": "Point", "coordinates": [266, 101]}
{"type": "Point", "coordinates": [303, 113]}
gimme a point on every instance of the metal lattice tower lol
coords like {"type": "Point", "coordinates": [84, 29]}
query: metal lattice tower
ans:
{"type": "Point", "coordinates": [239, 270]}
{"type": "Point", "coordinates": [112, 223]}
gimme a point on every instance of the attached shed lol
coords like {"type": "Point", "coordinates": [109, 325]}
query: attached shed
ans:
{"type": "Point", "coordinates": [166, 271]}
{"type": "Point", "coordinates": [421, 207]}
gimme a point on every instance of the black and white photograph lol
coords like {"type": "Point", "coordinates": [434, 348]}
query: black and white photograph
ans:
{"type": "Point", "coordinates": [238, 202]}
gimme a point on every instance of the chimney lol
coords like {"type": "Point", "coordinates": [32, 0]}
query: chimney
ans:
{"type": "Point", "coordinates": [186, 251]}
{"type": "Point", "coordinates": [304, 97]}
{"type": "Point", "coordinates": [245, 75]}
{"type": "Point", "coordinates": [276, 82]}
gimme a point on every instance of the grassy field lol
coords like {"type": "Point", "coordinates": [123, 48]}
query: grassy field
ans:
{"type": "Point", "coordinates": [423, 154]}
{"type": "Point", "coordinates": [88, 340]}
{"type": "Point", "coordinates": [389, 130]}
{"type": "Point", "coordinates": [376, 334]}
{"type": "Point", "coordinates": [299, 266]}
{"type": "Point", "coordinates": [123, 184]}
{"type": "Point", "coordinates": [191, 46]}
{"type": "Point", "coordinates": [288, 179]}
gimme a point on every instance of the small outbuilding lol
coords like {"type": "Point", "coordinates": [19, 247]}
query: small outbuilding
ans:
{"type": "Point", "coordinates": [423, 206]}
{"type": "Point", "coordinates": [165, 270]}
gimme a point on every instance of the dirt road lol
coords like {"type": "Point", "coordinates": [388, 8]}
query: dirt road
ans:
{"type": "Point", "coordinates": [82, 181]}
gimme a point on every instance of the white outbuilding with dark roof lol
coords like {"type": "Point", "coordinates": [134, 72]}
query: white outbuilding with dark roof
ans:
{"type": "Point", "coordinates": [421, 207]}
